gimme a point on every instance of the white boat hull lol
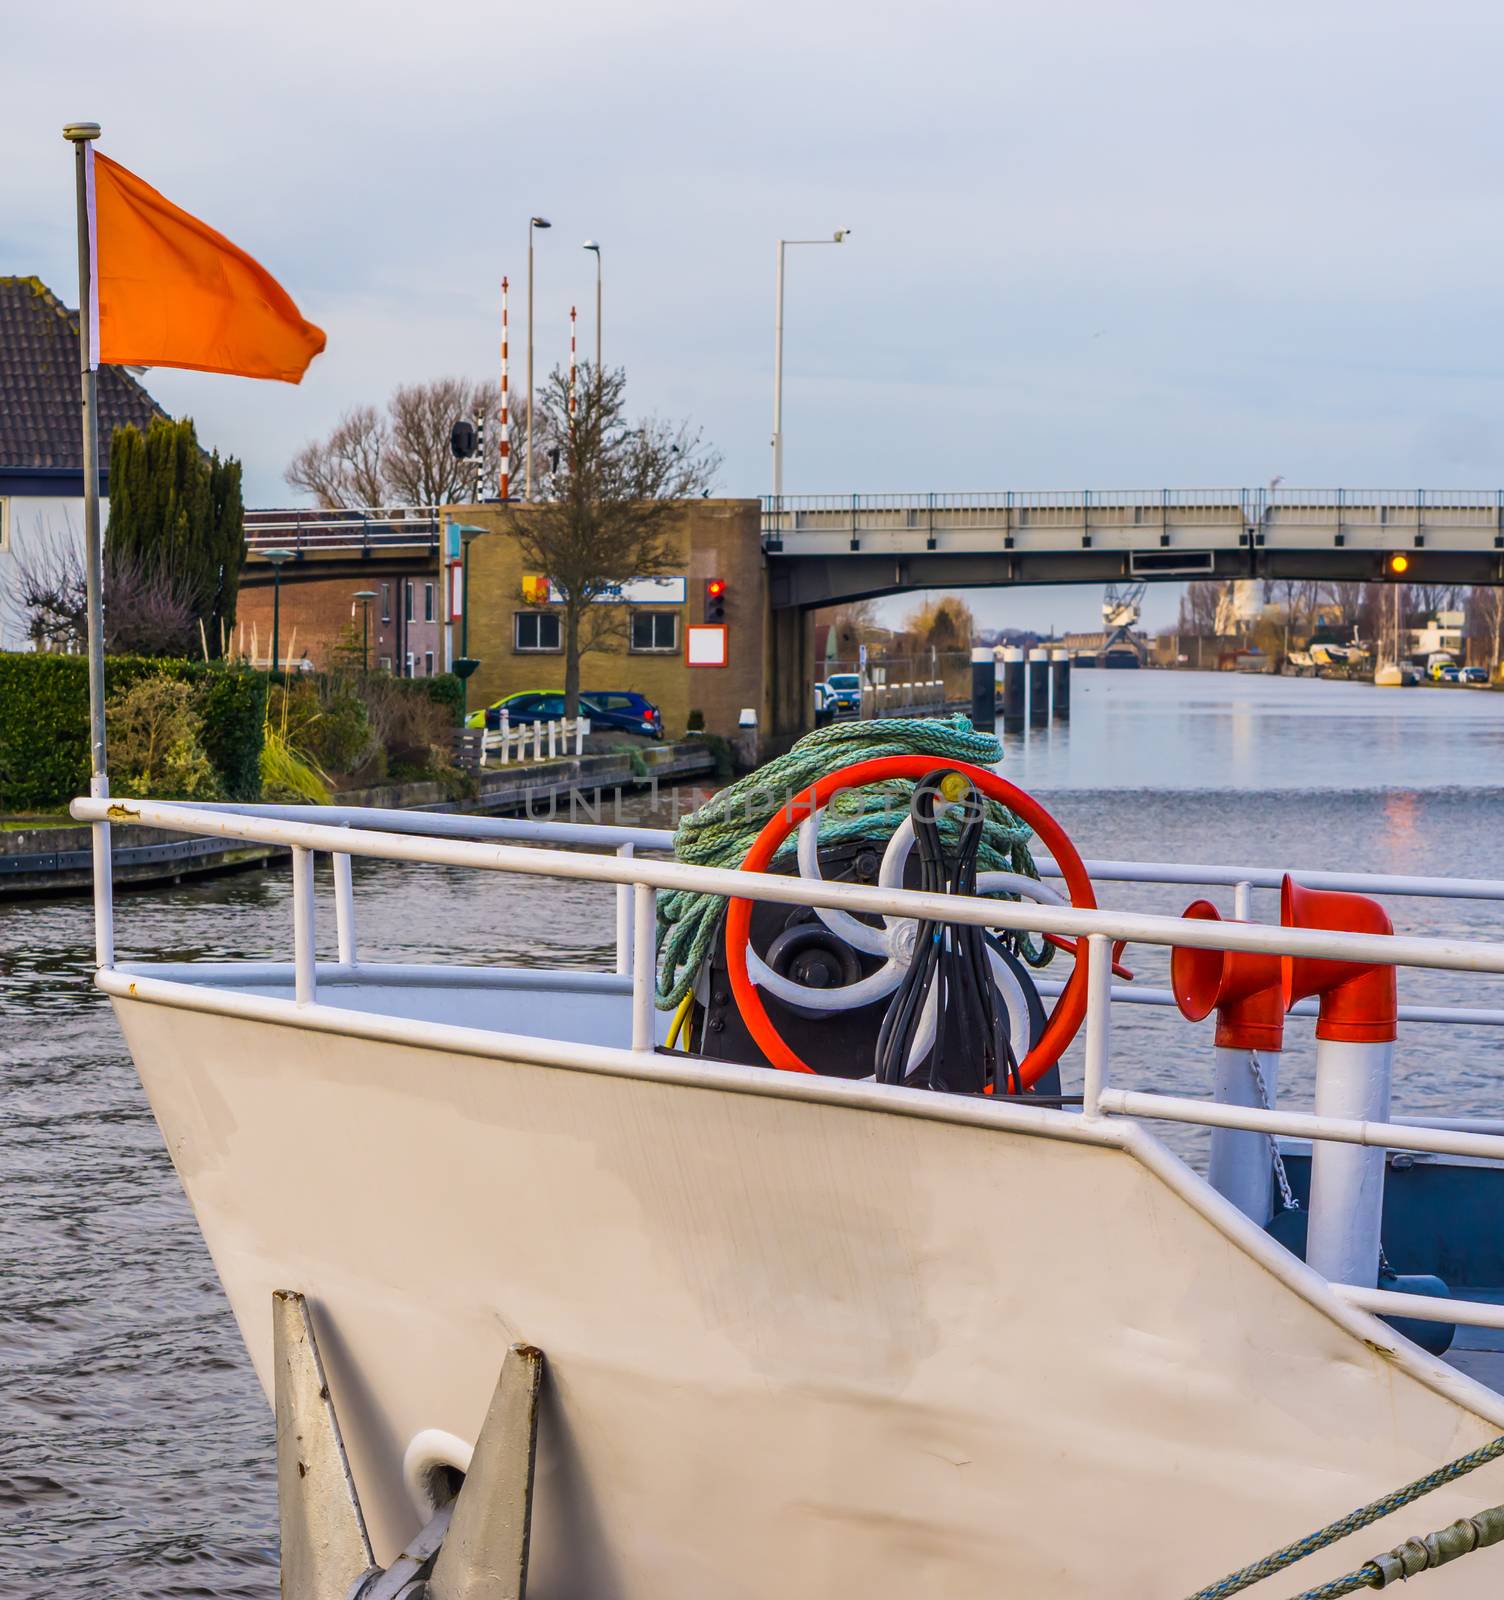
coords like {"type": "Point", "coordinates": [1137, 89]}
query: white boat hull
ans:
{"type": "Point", "coordinates": [805, 1338]}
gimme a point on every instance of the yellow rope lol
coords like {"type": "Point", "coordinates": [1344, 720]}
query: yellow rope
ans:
{"type": "Point", "coordinates": [681, 1016]}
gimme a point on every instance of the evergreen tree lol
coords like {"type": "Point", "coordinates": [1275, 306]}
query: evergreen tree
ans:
{"type": "Point", "coordinates": [174, 510]}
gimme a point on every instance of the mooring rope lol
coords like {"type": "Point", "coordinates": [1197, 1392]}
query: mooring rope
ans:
{"type": "Point", "coordinates": [722, 831]}
{"type": "Point", "coordinates": [1375, 1574]}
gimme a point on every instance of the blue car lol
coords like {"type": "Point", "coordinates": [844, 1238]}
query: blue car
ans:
{"type": "Point", "coordinates": [645, 720]}
{"type": "Point", "coordinates": [844, 692]}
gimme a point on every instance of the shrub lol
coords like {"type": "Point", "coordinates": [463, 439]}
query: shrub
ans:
{"type": "Point", "coordinates": [414, 729]}
{"type": "Point", "coordinates": [44, 723]}
{"type": "Point", "coordinates": [155, 737]}
{"type": "Point", "coordinates": [287, 776]}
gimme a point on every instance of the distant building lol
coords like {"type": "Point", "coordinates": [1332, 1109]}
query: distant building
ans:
{"type": "Point", "coordinates": [1440, 634]}
{"type": "Point", "coordinates": [41, 434]}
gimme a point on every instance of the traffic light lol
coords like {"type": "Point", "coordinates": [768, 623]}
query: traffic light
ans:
{"type": "Point", "coordinates": [715, 599]}
{"type": "Point", "coordinates": [1397, 565]}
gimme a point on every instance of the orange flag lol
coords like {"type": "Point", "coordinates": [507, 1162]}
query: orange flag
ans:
{"type": "Point", "coordinates": [168, 291]}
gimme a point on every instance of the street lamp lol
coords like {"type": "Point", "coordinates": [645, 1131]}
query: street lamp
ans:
{"type": "Point", "coordinates": [365, 596]}
{"type": "Point", "coordinates": [836, 238]}
{"type": "Point", "coordinates": [532, 223]}
{"type": "Point", "coordinates": [276, 557]}
{"type": "Point", "coordinates": [464, 664]}
{"type": "Point", "coordinates": [591, 245]}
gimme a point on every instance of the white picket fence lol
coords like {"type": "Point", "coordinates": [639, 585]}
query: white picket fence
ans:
{"type": "Point", "coordinates": [547, 739]}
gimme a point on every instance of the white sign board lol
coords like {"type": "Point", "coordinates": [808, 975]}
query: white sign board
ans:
{"type": "Point", "coordinates": [705, 644]}
{"type": "Point", "coordinates": [635, 592]}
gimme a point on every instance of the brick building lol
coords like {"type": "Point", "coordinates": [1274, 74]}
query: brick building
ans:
{"type": "Point", "coordinates": [514, 627]}
{"type": "Point", "coordinates": [319, 608]}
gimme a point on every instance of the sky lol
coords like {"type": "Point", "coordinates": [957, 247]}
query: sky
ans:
{"type": "Point", "coordinates": [1094, 244]}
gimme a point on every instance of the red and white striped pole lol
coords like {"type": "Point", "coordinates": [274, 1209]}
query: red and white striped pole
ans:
{"type": "Point", "coordinates": [506, 405]}
{"type": "Point", "coordinates": [571, 362]}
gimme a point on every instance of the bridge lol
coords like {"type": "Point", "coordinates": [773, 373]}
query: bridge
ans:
{"type": "Point", "coordinates": [823, 549]}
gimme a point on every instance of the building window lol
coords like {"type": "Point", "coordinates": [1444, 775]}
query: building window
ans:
{"type": "Point", "coordinates": [428, 602]}
{"type": "Point", "coordinates": [386, 602]}
{"type": "Point", "coordinates": [536, 630]}
{"type": "Point", "coordinates": [428, 663]}
{"type": "Point", "coordinates": [655, 630]}
{"type": "Point", "coordinates": [408, 600]}
{"type": "Point", "coordinates": [386, 663]}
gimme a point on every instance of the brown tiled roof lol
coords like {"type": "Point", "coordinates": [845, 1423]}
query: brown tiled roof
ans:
{"type": "Point", "coordinates": [40, 425]}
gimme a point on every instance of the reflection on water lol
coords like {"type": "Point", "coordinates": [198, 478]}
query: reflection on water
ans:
{"type": "Point", "coordinates": [1218, 730]}
{"type": "Point", "coordinates": [135, 1448]}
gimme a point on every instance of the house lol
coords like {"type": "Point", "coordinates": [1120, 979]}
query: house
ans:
{"type": "Point", "coordinates": [41, 436]}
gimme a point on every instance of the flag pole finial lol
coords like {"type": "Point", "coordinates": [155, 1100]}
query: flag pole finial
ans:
{"type": "Point", "coordinates": [79, 131]}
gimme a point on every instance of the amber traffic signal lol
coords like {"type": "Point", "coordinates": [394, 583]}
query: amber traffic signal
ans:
{"type": "Point", "coordinates": [1397, 565]}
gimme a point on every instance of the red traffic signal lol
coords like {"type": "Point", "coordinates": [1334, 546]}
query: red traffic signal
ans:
{"type": "Point", "coordinates": [715, 599]}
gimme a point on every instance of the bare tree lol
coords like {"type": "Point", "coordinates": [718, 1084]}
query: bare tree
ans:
{"type": "Point", "coordinates": [349, 467]}
{"type": "Point", "coordinates": [148, 610]}
{"type": "Point", "coordinates": [612, 508]}
{"type": "Point", "coordinates": [402, 456]}
{"type": "Point", "coordinates": [943, 622]}
{"type": "Point", "coordinates": [1198, 608]}
{"type": "Point", "coordinates": [1485, 613]}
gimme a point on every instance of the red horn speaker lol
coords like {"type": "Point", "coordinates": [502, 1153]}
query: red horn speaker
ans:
{"type": "Point", "coordinates": [1240, 985]}
{"type": "Point", "coordinates": [1358, 1003]}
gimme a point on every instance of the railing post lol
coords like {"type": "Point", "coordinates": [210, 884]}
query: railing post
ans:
{"type": "Point", "coordinates": [581, 728]}
{"type": "Point", "coordinates": [1098, 1021]}
{"type": "Point", "coordinates": [537, 741]}
{"type": "Point", "coordinates": [1347, 1181]}
{"type": "Point", "coordinates": [305, 982]}
{"type": "Point", "coordinates": [506, 737]}
{"type": "Point", "coordinates": [624, 917]}
{"type": "Point", "coordinates": [344, 905]}
{"type": "Point", "coordinates": [553, 739]}
{"type": "Point", "coordinates": [644, 943]}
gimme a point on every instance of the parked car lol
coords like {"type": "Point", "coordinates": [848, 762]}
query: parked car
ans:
{"type": "Point", "coordinates": [1476, 675]}
{"type": "Point", "coordinates": [1442, 671]}
{"type": "Point", "coordinates": [490, 716]}
{"type": "Point", "coordinates": [626, 710]}
{"type": "Point", "coordinates": [844, 690]}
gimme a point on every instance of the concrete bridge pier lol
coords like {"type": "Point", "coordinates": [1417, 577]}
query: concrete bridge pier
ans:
{"type": "Point", "coordinates": [1060, 684]}
{"type": "Point", "coordinates": [1013, 688]}
{"type": "Point", "coordinates": [789, 675]}
{"type": "Point", "coordinates": [1039, 686]}
{"type": "Point", "coordinates": [983, 688]}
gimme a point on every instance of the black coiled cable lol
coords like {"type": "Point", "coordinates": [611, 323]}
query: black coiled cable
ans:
{"type": "Point", "coordinates": [950, 959]}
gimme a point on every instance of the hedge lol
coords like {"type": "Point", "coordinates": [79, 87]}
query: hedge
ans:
{"type": "Point", "coordinates": [44, 723]}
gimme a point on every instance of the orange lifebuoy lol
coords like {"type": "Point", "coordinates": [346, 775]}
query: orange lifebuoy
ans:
{"type": "Point", "coordinates": [1070, 1007]}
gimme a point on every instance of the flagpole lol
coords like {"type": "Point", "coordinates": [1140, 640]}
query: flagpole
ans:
{"type": "Point", "coordinates": [81, 135]}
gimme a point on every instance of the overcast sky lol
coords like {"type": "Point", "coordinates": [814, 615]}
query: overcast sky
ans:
{"type": "Point", "coordinates": [1103, 245]}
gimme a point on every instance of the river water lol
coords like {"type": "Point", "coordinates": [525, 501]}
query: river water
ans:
{"type": "Point", "coordinates": [136, 1452]}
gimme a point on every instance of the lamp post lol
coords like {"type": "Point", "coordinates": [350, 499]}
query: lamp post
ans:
{"type": "Point", "coordinates": [276, 557]}
{"type": "Point", "coordinates": [464, 663]}
{"type": "Point", "coordinates": [595, 249]}
{"type": "Point", "coordinates": [365, 596]}
{"type": "Point", "coordinates": [836, 238]}
{"type": "Point", "coordinates": [533, 223]}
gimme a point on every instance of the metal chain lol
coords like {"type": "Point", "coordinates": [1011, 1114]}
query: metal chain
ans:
{"type": "Point", "coordinates": [1281, 1177]}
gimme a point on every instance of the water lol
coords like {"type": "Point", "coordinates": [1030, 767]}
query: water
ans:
{"type": "Point", "coordinates": [136, 1451]}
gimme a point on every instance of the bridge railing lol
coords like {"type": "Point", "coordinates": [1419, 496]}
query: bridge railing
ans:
{"type": "Point", "coordinates": [308, 529]}
{"type": "Point", "coordinates": [1249, 510]}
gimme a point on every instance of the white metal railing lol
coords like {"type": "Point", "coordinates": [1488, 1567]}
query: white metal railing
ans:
{"type": "Point", "coordinates": [433, 839]}
{"type": "Point", "coordinates": [554, 737]}
{"type": "Point", "coordinates": [349, 528]}
{"type": "Point", "coordinates": [1369, 514]}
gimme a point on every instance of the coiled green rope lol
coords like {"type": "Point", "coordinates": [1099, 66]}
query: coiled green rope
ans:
{"type": "Point", "coordinates": [722, 831]}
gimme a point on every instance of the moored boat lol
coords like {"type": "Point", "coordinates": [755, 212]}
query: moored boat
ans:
{"type": "Point", "coordinates": [914, 1321]}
